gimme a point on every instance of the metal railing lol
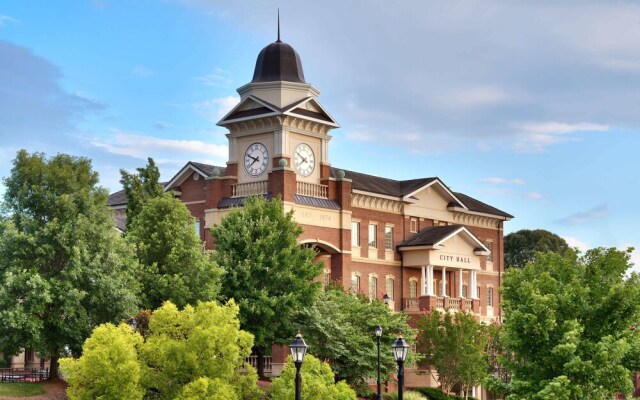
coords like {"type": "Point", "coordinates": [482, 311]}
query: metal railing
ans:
{"type": "Point", "coordinates": [249, 189]}
{"type": "Point", "coordinates": [23, 374]}
{"type": "Point", "coordinates": [312, 190]}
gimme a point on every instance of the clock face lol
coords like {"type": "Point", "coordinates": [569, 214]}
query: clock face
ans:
{"type": "Point", "coordinates": [256, 159]}
{"type": "Point", "coordinates": [303, 160]}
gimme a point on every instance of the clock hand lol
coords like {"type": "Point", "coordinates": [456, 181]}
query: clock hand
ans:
{"type": "Point", "coordinates": [253, 158]}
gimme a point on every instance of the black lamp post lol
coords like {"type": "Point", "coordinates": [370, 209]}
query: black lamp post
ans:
{"type": "Point", "coordinates": [400, 350]}
{"type": "Point", "coordinates": [298, 350]}
{"type": "Point", "coordinates": [379, 335]}
{"type": "Point", "coordinates": [385, 299]}
{"type": "Point", "coordinates": [133, 324]}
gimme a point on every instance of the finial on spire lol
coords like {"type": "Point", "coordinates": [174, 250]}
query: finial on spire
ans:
{"type": "Point", "coordinates": [278, 41]}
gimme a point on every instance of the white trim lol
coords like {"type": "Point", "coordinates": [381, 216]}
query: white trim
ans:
{"type": "Point", "coordinates": [373, 194]}
{"type": "Point", "coordinates": [178, 179]}
{"type": "Point", "coordinates": [481, 214]}
{"type": "Point", "coordinates": [288, 110]}
{"type": "Point", "coordinates": [188, 203]}
{"type": "Point", "coordinates": [318, 241]}
{"type": "Point", "coordinates": [442, 185]}
{"type": "Point", "coordinates": [274, 111]}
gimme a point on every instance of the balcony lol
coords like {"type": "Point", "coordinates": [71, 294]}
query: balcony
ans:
{"type": "Point", "coordinates": [312, 190]}
{"type": "Point", "coordinates": [411, 304]}
{"type": "Point", "coordinates": [249, 189]}
{"type": "Point", "coordinates": [426, 303]}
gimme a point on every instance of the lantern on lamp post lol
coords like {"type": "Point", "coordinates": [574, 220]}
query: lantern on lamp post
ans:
{"type": "Point", "coordinates": [378, 336]}
{"type": "Point", "coordinates": [298, 350]}
{"type": "Point", "coordinates": [400, 349]}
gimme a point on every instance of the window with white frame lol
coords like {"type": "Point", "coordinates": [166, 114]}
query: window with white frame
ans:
{"type": "Point", "coordinates": [355, 283]}
{"type": "Point", "coordinates": [373, 287]}
{"type": "Point", "coordinates": [490, 247]}
{"type": "Point", "coordinates": [196, 227]}
{"type": "Point", "coordinates": [489, 296]}
{"type": "Point", "coordinates": [464, 291]}
{"type": "Point", "coordinates": [390, 288]}
{"type": "Point", "coordinates": [326, 279]}
{"type": "Point", "coordinates": [373, 237]}
{"type": "Point", "coordinates": [388, 237]}
{"type": "Point", "coordinates": [355, 233]}
{"type": "Point", "coordinates": [413, 289]}
{"type": "Point", "coordinates": [478, 292]}
{"type": "Point", "coordinates": [413, 225]}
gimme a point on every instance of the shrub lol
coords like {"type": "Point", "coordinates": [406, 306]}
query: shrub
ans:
{"type": "Point", "coordinates": [407, 395]}
{"type": "Point", "coordinates": [317, 382]}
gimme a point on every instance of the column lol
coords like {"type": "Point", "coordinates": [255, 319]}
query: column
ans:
{"type": "Point", "coordinates": [429, 280]}
{"type": "Point", "coordinates": [443, 284]}
{"type": "Point", "coordinates": [423, 281]}
{"type": "Point", "coordinates": [460, 283]}
{"type": "Point", "coordinates": [473, 284]}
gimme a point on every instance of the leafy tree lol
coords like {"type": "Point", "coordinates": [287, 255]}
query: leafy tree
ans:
{"type": "Point", "coordinates": [455, 345]}
{"type": "Point", "coordinates": [340, 328]}
{"type": "Point", "coordinates": [317, 382]}
{"type": "Point", "coordinates": [175, 266]}
{"type": "Point", "coordinates": [109, 366]}
{"type": "Point", "coordinates": [196, 353]}
{"type": "Point", "coordinates": [266, 271]}
{"type": "Point", "coordinates": [63, 267]}
{"type": "Point", "coordinates": [521, 247]}
{"type": "Point", "coordinates": [567, 325]}
{"type": "Point", "coordinates": [140, 187]}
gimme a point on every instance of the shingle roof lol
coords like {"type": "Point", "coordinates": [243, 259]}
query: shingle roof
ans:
{"type": "Point", "coordinates": [430, 236]}
{"type": "Point", "coordinates": [118, 198]}
{"type": "Point", "coordinates": [478, 206]}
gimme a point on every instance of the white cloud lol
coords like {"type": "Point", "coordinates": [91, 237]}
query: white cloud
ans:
{"type": "Point", "coordinates": [535, 137]}
{"type": "Point", "coordinates": [535, 195]}
{"type": "Point", "coordinates": [503, 181]}
{"type": "Point", "coordinates": [583, 217]}
{"type": "Point", "coordinates": [219, 77]}
{"type": "Point", "coordinates": [162, 150]}
{"type": "Point", "coordinates": [574, 242]}
{"type": "Point", "coordinates": [635, 259]}
{"type": "Point", "coordinates": [5, 18]}
{"type": "Point", "coordinates": [215, 109]}
{"type": "Point", "coordinates": [478, 96]}
{"type": "Point", "coordinates": [142, 72]}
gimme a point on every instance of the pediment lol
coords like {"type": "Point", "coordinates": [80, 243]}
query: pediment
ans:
{"type": "Point", "coordinates": [249, 108]}
{"type": "Point", "coordinates": [309, 108]}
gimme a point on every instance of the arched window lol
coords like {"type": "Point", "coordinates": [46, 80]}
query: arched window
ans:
{"type": "Point", "coordinates": [464, 291]}
{"type": "Point", "coordinates": [413, 289]}
{"type": "Point", "coordinates": [373, 287]}
{"type": "Point", "coordinates": [390, 288]}
{"type": "Point", "coordinates": [355, 283]}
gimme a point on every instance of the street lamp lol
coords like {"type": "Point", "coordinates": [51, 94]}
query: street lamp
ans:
{"type": "Point", "coordinates": [400, 350]}
{"type": "Point", "coordinates": [133, 324]}
{"type": "Point", "coordinates": [298, 350]}
{"type": "Point", "coordinates": [385, 299]}
{"type": "Point", "coordinates": [378, 335]}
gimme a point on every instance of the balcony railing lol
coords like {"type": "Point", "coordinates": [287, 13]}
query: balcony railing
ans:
{"type": "Point", "coordinates": [411, 304]}
{"type": "Point", "coordinates": [440, 303]}
{"type": "Point", "coordinates": [312, 190]}
{"type": "Point", "coordinates": [249, 189]}
{"type": "Point", "coordinates": [454, 304]}
{"type": "Point", "coordinates": [253, 361]}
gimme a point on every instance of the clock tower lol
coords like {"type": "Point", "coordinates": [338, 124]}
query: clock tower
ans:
{"type": "Point", "coordinates": [278, 133]}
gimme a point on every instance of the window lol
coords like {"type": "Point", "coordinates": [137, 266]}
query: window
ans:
{"type": "Point", "coordinates": [477, 292]}
{"type": "Point", "coordinates": [372, 235]}
{"type": "Point", "coordinates": [388, 237]}
{"type": "Point", "coordinates": [413, 289]}
{"type": "Point", "coordinates": [373, 287]}
{"type": "Point", "coordinates": [29, 355]}
{"type": "Point", "coordinates": [413, 225]}
{"type": "Point", "coordinates": [326, 278]}
{"type": "Point", "coordinates": [355, 283]}
{"type": "Point", "coordinates": [390, 288]}
{"type": "Point", "coordinates": [489, 297]}
{"type": "Point", "coordinates": [490, 247]}
{"type": "Point", "coordinates": [464, 291]}
{"type": "Point", "coordinates": [197, 227]}
{"type": "Point", "coordinates": [355, 234]}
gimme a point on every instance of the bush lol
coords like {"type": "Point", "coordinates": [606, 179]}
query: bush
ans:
{"type": "Point", "coordinates": [436, 394]}
{"type": "Point", "coordinates": [317, 382]}
{"type": "Point", "coordinates": [407, 395]}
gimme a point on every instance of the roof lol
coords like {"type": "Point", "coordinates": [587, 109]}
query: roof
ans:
{"type": "Point", "coordinates": [430, 236]}
{"type": "Point", "coordinates": [478, 206]}
{"type": "Point", "coordinates": [278, 62]}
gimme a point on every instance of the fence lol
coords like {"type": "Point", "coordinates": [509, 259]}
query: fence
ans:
{"type": "Point", "coordinates": [23, 374]}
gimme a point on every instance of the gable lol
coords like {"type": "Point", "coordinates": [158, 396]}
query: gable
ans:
{"type": "Point", "coordinates": [248, 108]}
{"type": "Point", "coordinates": [431, 201]}
{"type": "Point", "coordinates": [310, 108]}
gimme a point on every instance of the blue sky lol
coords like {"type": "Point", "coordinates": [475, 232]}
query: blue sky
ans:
{"type": "Point", "coordinates": [533, 107]}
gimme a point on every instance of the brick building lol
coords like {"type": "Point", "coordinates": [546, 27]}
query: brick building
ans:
{"type": "Point", "coordinates": [417, 241]}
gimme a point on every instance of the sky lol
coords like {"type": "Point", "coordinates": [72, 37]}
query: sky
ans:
{"type": "Point", "coordinates": [532, 107]}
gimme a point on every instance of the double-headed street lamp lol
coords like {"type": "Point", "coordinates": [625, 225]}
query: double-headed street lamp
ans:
{"type": "Point", "coordinates": [298, 350]}
{"type": "Point", "coordinates": [400, 350]}
{"type": "Point", "coordinates": [379, 335]}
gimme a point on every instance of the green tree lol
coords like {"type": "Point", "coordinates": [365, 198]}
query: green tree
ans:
{"type": "Point", "coordinates": [318, 382]}
{"type": "Point", "coordinates": [521, 247]}
{"type": "Point", "coordinates": [266, 271]}
{"type": "Point", "coordinates": [567, 325]}
{"type": "Point", "coordinates": [455, 345]}
{"type": "Point", "coordinates": [174, 263]}
{"type": "Point", "coordinates": [140, 187]}
{"type": "Point", "coordinates": [108, 368]}
{"type": "Point", "coordinates": [340, 328]}
{"type": "Point", "coordinates": [63, 267]}
{"type": "Point", "coordinates": [196, 353]}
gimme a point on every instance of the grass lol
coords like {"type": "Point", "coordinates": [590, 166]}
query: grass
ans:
{"type": "Point", "coordinates": [21, 389]}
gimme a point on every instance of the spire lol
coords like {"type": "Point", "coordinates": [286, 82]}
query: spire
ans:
{"type": "Point", "coordinates": [278, 41]}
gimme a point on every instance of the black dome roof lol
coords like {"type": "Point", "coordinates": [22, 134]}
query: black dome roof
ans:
{"type": "Point", "coordinates": [278, 62]}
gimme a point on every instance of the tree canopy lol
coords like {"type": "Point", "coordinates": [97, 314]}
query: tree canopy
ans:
{"type": "Point", "coordinates": [340, 327]}
{"type": "Point", "coordinates": [196, 353]}
{"type": "Point", "coordinates": [455, 345]}
{"type": "Point", "coordinates": [140, 187]}
{"type": "Point", "coordinates": [174, 263]}
{"type": "Point", "coordinates": [567, 325]}
{"type": "Point", "coordinates": [267, 272]}
{"type": "Point", "coordinates": [521, 247]}
{"type": "Point", "coordinates": [63, 267]}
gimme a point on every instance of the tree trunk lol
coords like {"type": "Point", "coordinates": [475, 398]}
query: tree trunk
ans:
{"type": "Point", "coordinates": [54, 367]}
{"type": "Point", "coordinates": [260, 361]}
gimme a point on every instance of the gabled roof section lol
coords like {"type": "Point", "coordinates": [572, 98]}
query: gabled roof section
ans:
{"type": "Point", "coordinates": [204, 170]}
{"type": "Point", "coordinates": [477, 206]}
{"type": "Point", "coordinates": [249, 108]}
{"type": "Point", "coordinates": [436, 236]}
{"type": "Point", "coordinates": [310, 108]}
